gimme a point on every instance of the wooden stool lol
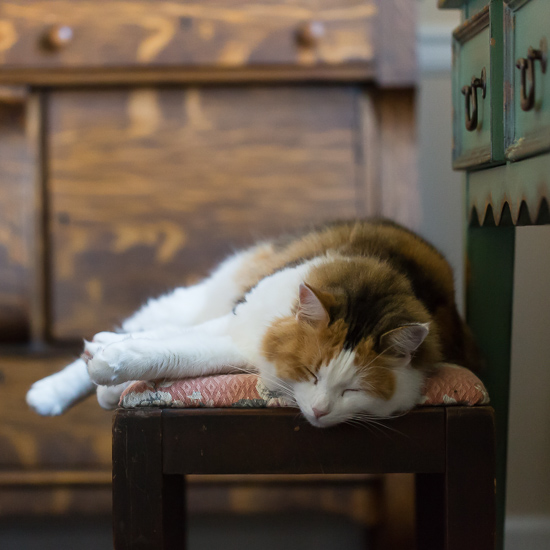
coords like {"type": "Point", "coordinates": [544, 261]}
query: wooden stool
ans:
{"type": "Point", "coordinates": [450, 449]}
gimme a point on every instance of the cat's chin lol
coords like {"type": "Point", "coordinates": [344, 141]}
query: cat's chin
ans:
{"type": "Point", "coordinates": [323, 422]}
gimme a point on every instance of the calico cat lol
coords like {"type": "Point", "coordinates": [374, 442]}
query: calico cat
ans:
{"type": "Point", "coordinates": [345, 321]}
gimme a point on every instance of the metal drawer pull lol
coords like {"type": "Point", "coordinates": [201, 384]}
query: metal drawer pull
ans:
{"type": "Point", "coordinates": [310, 34]}
{"type": "Point", "coordinates": [57, 37]}
{"type": "Point", "coordinates": [527, 68]}
{"type": "Point", "coordinates": [470, 93]}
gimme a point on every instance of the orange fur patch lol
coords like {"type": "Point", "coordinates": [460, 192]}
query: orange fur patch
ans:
{"type": "Point", "coordinates": [296, 348]}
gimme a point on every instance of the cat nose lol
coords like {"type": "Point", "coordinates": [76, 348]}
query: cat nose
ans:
{"type": "Point", "coordinates": [319, 412]}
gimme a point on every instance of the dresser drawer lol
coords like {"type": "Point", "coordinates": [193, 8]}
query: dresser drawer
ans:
{"type": "Point", "coordinates": [79, 440]}
{"type": "Point", "coordinates": [149, 188]}
{"type": "Point", "coordinates": [72, 34]}
{"type": "Point", "coordinates": [477, 91]}
{"type": "Point", "coordinates": [527, 33]}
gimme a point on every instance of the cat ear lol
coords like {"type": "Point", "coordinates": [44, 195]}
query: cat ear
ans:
{"type": "Point", "coordinates": [405, 339]}
{"type": "Point", "coordinates": [312, 306]}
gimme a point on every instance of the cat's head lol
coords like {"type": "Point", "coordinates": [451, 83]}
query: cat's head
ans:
{"type": "Point", "coordinates": [351, 351]}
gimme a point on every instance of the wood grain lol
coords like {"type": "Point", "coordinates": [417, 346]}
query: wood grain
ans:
{"type": "Point", "coordinates": [150, 188]}
{"type": "Point", "coordinates": [207, 33]}
{"type": "Point", "coordinates": [209, 441]}
{"type": "Point", "coordinates": [79, 440]}
{"type": "Point", "coordinates": [387, 156]}
{"type": "Point", "coordinates": [16, 209]}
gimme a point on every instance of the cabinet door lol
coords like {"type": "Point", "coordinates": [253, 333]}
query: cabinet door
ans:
{"type": "Point", "coordinates": [477, 90]}
{"type": "Point", "coordinates": [149, 188]}
{"type": "Point", "coordinates": [528, 78]}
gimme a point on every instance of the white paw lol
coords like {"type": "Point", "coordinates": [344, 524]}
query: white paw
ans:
{"type": "Point", "coordinates": [115, 363]}
{"type": "Point", "coordinates": [44, 399]}
{"type": "Point", "coordinates": [108, 397]}
{"type": "Point", "coordinates": [99, 341]}
{"type": "Point", "coordinates": [104, 338]}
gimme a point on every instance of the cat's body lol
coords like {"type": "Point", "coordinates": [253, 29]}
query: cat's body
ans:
{"type": "Point", "coordinates": [346, 321]}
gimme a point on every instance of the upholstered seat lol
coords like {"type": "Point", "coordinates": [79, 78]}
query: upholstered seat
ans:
{"type": "Point", "coordinates": [450, 385]}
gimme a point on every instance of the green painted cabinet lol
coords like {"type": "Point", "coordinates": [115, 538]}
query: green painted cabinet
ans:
{"type": "Point", "coordinates": [477, 90]}
{"type": "Point", "coordinates": [502, 142]}
{"type": "Point", "coordinates": [527, 78]}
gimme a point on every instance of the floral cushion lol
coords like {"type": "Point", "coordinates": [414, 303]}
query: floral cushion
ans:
{"type": "Point", "coordinates": [450, 385]}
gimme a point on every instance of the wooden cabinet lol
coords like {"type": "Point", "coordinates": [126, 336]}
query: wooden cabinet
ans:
{"type": "Point", "coordinates": [141, 142]}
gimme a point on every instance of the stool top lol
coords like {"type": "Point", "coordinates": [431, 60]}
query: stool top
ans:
{"type": "Point", "coordinates": [450, 385]}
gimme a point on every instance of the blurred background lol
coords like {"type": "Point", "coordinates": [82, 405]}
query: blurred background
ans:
{"type": "Point", "coordinates": [135, 153]}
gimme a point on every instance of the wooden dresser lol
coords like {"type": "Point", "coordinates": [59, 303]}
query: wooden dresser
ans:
{"type": "Point", "coordinates": [501, 119]}
{"type": "Point", "coordinates": [140, 143]}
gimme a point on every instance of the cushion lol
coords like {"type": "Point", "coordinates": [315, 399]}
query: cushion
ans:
{"type": "Point", "coordinates": [450, 385]}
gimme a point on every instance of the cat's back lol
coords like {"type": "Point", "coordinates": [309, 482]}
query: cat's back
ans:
{"type": "Point", "coordinates": [420, 262]}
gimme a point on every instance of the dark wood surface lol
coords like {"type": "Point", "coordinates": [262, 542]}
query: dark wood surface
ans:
{"type": "Point", "coordinates": [470, 479]}
{"type": "Point", "coordinates": [281, 441]}
{"type": "Point", "coordinates": [455, 491]}
{"type": "Point", "coordinates": [138, 506]}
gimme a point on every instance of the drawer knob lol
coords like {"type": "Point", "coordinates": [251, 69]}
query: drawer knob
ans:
{"type": "Point", "coordinates": [309, 34]}
{"type": "Point", "coordinates": [471, 106]}
{"type": "Point", "coordinates": [527, 68]}
{"type": "Point", "coordinates": [58, 37]}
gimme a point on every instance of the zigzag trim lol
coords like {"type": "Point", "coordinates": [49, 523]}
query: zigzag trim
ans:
{"type": "Point", "coordinates": [510, 213]}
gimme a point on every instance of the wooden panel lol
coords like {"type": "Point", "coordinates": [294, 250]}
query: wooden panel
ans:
{"type": "Point", "coordinates": [142, 33]}
{"type": "Point", "coordinates": [207, 442]}
{"type": "Point", "coordinates": [79, 440]}
{"type": "Point", "coordinates": [150, 188]}
{"type": "Point", "coordinates": [527, 132]}
{"type": "Point", "coordinates": [16, 209]}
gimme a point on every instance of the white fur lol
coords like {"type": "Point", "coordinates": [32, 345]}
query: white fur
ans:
{"type": "Point", "coordinates": [193, 331]}
{"type": "Point", "coordinates": [54, 394]}
{"type": "Point", "coordinates": [338, 392]}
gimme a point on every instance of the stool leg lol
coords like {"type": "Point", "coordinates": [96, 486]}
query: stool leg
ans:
{"type": "Point", "coordinates": [470, 479]}
{"type": "Point", "coordinates": [430, 511]}
{"type": "Point", "coordinates": [137, 480]}
{"type": "Point", "coordinates": [174, 516]}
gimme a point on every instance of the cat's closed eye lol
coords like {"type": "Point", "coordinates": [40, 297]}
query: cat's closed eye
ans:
{"type": "Point", "coordinates": [350, 390]}
{"type": "Point", "coordinates": [315, 379]}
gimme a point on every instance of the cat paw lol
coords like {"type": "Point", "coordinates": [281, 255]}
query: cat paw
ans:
{"type": "Point", "coordinates": [90, 349]}
{"type": "Point", "coordinates": [99, 341]}
{"type": "Point", "coordinates": [105, 338]}
{"type": "Point", "coordinates": [43, 398]}
{"type": "Point", "coordinates": [114, 363]}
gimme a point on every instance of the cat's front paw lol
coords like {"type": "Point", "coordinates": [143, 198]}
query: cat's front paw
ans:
{"type": "Point", "coordinates": [43, 398]}
{"type": "Point", "coordinates": [116, 363]}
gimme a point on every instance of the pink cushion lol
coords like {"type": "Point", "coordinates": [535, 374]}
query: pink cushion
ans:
{"type": "Point", "coordinates": [451, 385]}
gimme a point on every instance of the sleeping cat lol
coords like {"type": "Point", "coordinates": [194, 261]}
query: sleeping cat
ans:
{"type": "Point", "coordinates": [345, 321]}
